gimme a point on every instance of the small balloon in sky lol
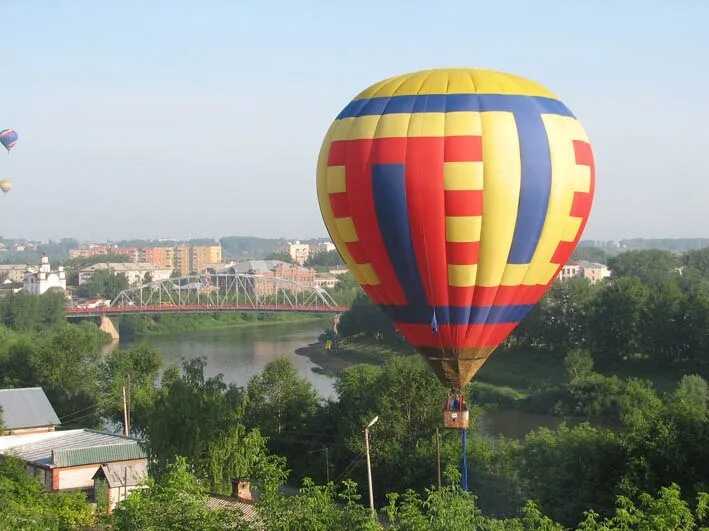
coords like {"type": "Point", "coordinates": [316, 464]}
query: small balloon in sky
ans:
{"type": "Point", "coordinates": [8, 138]}
{"type": "Point", "coordinates": [5, 185]}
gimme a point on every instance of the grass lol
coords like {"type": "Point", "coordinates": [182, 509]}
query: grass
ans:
{"type": "Point", "coordinates": [522, 370]}
{"type": "Point", "coordinates": [513, 374]}
{"type": "Point", "coordinates": [365, 350]}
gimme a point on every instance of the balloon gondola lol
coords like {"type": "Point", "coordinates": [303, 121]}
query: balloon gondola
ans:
{"type": "Point", "coordinates": [455, 196]}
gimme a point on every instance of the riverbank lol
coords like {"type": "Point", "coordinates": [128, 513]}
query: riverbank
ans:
{"type": "Point", "coordinates": [137, 326]}
{"type": "Point", "coordinates": [352, 352]}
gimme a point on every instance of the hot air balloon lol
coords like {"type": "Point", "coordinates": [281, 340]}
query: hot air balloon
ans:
{"type": "Point", "coordinates": [8, 138]}
{"type": "Point", "coordinates": [455, 196]}
{"type": "Point", "coordinates": [5, 185]}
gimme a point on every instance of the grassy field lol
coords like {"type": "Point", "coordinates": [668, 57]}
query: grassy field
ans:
{"type": "Point", "coordinates": [519, 372]}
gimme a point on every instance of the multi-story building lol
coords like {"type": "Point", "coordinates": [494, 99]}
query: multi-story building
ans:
{"type": "Point", "coordinates": [182, 259]}
{"type": "Point", "coordinates": [201, 256]}
{"type": "Point", "coordinates": [299, 252]}
{"type": "Point", "coordinates": [13, 272]}
{"type": "Point", "coordinates": [136, 273]}
{"type": "Point", "coordinates": [41, 279]}
{"type": "Point", "coordinates": [160, 256]}
{"type": "Point", "coordinates": [88, 251]}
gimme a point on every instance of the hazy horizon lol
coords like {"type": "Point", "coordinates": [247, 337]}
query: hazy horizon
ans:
{"type": "Point", "coordinates": [179, 119]}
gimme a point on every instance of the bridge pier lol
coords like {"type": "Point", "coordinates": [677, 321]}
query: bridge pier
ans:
{"type": "Point", "coordinates": [110, 326]}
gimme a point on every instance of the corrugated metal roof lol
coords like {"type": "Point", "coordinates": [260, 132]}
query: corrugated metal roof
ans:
{"type": "Point", "coordinates": [124, 474]}
{"type": "Point", "coordinates": [97, 454]}
{"type": "Point", "coordinates": [229, 503]}
{"type": "Point", "coordinates": [26, 407]}
{"type": "Point", "coordinates": [90, 447]}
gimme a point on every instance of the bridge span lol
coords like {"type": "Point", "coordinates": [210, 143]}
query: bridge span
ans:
{"type": "Point", "coordinates": [211, 293]}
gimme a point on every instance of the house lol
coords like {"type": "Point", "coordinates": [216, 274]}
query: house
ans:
{"type": "Point", "coordinates": [27, 410]}
{"type": "Point", "coordinates": [69, 460]}
{"type": "Point", "coordinates": [136, 273]}
{"type": "Point", "coordinates": [591, 271]}
{"type": "Point", "coordinates": [114, 481]}
{"type": "Point", "coordinates": [569, 270]}
{"type": "Point", "coordinates": [594, 272]}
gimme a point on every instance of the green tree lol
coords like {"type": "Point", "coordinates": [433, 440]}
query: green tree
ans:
{"type": "Point", "coordinates": [22, 311]}
{"type": "Point", "coordinates": [64, 363]}
{"type": "Point", "coordinates": [283, 256]}
{"type": "Point", "coordinates": [697, 261]}
{"type": "Point", "coordinates": [570, 470]}
{"type": "Point", "coordinates": [408, 400]}
{"type": "Point", "coordinates": [26, 505]}
{"type": "Point", "coordinates": [202, 419]}
{"type": "Point", "coordinates": [578, 364]}
{"type": "Point", "coordinates": [365, 318]}
{"type": "Point", "coordinates": [590, 254]}
{"type": "Point", "coordinates": [616, 319]}
{"type": "Point", "coordinates": [138, 368]}
{"type": "Point", "coordinates": [328, 258]}
{"type": "Point", "coordinates": [662, 334]}
{"type": "Point", "coordinates": [105, 283]}
{"type": "Point", "coordinates": [281, 404]}
{"type": "Point", "coordinates": [317, 508]}
{"type": "Point", "coordinates": [177, 501]}
{"type": "Point", "coordinates": [650, 266]}
{"type": "Point", "coordinates": [665, 436]}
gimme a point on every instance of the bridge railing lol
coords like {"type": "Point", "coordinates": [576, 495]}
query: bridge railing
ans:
{"type": "Point", "coordinates": [226, 289]}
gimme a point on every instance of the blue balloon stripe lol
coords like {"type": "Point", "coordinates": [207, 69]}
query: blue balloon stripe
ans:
{"type": "Point", "coordinates": [459, 315]}
{"type": "Point", "coordinates": [389, 192]}
{"type": "Point", "coordinates": [452, 103]}
{"type": "Point", "coordinates": [535, 184]}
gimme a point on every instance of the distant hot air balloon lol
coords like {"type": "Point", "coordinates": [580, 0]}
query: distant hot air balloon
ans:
{"type": "Point", "coordinates": [455, 196]}
{"type": "Point", "coordinates": [8, 138]}
{"type": "Point", "coordinates": [5, 185]}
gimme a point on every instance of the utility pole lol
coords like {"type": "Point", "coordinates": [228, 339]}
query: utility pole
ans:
{"type": "Point", "coordinates": [327, 464]}
{"type": "Point", "coordinates": [438, 457]}
{"type": "Point", "coordinates": [369, 464]}
{"type": "Point", "coordinates": [128, 401]}
{"type": "Point", "coordinates": [125, 413]}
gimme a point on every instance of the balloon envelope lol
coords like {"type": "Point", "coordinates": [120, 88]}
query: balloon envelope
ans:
{"type": "Point", "coordinates": [455, 196]}
{"type": "Point", "coordinates": [5, 185]}
{"type": "Point", "coordinates": [8, 138]}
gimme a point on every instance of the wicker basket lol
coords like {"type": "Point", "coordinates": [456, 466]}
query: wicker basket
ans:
{"type": "Point", "coordinates": [455, 419]}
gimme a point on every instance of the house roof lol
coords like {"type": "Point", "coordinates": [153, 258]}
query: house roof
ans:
{"type": "Point", "coordinates": [229, 503]}
{"type": "Point", "coordinates": [26, 407]}
{"type": "Point", "coordinates": [123, 474]}
{"type": "Point", "coordinates": [71, 448]}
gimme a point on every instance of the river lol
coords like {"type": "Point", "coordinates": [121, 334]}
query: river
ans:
{"type": "Point", "coordinates": [241, 352]}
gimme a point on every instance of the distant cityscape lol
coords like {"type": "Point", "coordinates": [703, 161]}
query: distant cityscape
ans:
{"type": "Point", "coordinates": [147, 261]}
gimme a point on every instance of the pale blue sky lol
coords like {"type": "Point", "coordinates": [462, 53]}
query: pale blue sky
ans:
{"type": "Point", "coordinates": [204, 118]}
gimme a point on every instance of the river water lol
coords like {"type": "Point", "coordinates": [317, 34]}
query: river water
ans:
{"type": "Point", "coordinates": [241, 352]}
